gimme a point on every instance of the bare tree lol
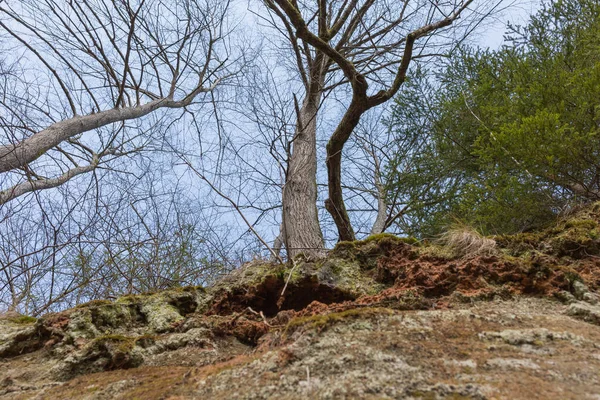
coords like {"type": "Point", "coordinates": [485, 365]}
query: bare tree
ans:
{"type": "Point", "coordinates": [99, 67]}
{"type": "Point", "coordinates": [364, 175]}
{"type": "Point", "coordinates": [107, 104]}
{"type": "Point", "coordinates": [131, 234]}
{"type": "Point", "coordinates": [364, 49]}
{"type": "Point", "coordinates": [89, 92]}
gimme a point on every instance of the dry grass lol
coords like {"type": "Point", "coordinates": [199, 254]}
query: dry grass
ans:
{"type": "Point", "coordinates": [464, 241]}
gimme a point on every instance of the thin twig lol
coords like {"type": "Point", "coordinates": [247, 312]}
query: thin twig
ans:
{"type": "Point", "coordinates": [308, 376]}
{"type": "Point", "coordinates": [289, 277]}
{"type": "Point", "coordinates": [262, 315]}
{"type": "Point", "coordinates": [233, 203]}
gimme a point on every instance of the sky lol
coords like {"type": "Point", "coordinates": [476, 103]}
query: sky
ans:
{"type": "Point", "coordinates": [517, 13]}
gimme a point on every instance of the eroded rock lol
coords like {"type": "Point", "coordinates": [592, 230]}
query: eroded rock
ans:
{"type": "Point", "coordinates": [585, 311]}
{"type": "Point", "coordinates": [380, 318]}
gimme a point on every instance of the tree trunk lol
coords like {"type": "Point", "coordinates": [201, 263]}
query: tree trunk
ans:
{"type": "Point", "coordinates": [278, 243]}
{"type": "Point", "coordinates": [335, 203]}
{"type": "Point", "coordinates": [300, 217]}
{"type": "Point", "coordinates": [30, 149]}
{"type": "Point", "coordinates": [379, 225]}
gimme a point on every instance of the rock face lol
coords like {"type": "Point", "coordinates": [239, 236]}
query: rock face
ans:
{"type": "Point", "coordinates": [381, 318]}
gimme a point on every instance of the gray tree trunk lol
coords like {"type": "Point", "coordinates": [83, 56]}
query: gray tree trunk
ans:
{"type": "Point", "coordinates": [379, 225]}
{"type": "Point", "coordinates": [22, 153]}
{"type": "Point", "coordinates": [300, 216]}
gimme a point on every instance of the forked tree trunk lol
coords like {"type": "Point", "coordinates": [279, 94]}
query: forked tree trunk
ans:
{"type": "Point", "coordinates": [300, 217]}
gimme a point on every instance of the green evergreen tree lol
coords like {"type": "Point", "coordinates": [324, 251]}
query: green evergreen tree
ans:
{"type": "Point", "coordinates": [504, 139]}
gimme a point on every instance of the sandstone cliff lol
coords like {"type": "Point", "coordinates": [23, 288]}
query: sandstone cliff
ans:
{"type": "Point", "coordinates": [381, 318]}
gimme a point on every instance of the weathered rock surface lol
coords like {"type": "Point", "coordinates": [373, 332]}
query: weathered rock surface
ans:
{"type": "Point", "coordinates": [517, 349]}
{"type": "Point", "coordinates": [381, 318]}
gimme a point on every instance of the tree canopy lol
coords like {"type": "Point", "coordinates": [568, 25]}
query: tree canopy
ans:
{"type": "Point", "coordinates": [504, 139]}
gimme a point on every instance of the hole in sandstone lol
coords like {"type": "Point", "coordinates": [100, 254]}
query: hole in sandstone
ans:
{"type": "Point", "coordinates": [184, 304]}
{"type": "Point", "coordinates": [266, 297]}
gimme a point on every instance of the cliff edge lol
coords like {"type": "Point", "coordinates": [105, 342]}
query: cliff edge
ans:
{"type": "Point", "coordinates": [510, 317]}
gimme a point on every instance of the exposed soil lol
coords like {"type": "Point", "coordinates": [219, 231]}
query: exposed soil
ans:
{"type": "Point", "coordinates": [267, 296]}
{"type": "Point", "coordinates": [475, 276]}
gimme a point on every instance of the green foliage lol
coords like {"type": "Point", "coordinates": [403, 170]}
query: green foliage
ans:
{"type": "Point", "coordinates": [504, 139]}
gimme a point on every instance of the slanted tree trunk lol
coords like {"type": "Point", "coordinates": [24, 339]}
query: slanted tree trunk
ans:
{"type": "Point", "coordinates": [335, 203]}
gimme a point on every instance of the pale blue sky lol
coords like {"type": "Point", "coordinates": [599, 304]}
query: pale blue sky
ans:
{"type": "Point", "coordinates": [516, 13]}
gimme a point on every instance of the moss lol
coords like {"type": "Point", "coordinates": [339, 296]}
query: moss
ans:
{"type": "Point", "coordinates": [431, 395]}
{"type": "Point", "coordinates": [94, 303]}
{"type": "Point", "coordinates": [251, 274]}
{"type": "Point", "coordinates": [161, 310]}
{"type": "Point", "coordinates": [145, 341]}
{"type": "Point", "coordinates": [80, 325]}
{"type": "Point", "coordinates": [322, 321]}
{"type": "Point", "coordinates": [344, 249]}
{"type": "Point", "coordinates": [575, 243]}
{"type": "Point", "coordinates": [161, 316]}
{"type": "Point", "coordinates": [468, 370]}
{"type": "Point", "coordinates": [437, 252]}
{"type": "Point", "coordinates": [519, 244]}
{"type": "Point", "coordinates": [367, 252]}
{"type": "Point", "coordinates": [130, 298]}
{"type": "Point", "coordinates": [22, 320]}
{"type": "Point", "coordinates": [293, 272]}
{"type": "Point", "coordinates": [387, 237]}
{"type": "Point", "coordinates": [348, 276]}
{"type": "Point", "coordinates": [113, 315]}
{"type": "Point", "coordinates": [106, 352]}
{"type": "Point", "coordinates": [576, 237]}
{"type": "Point", "coordinates": [424, 395]}
{"type": "Point", "coordinates": [581, 223]}
{"type": "Point", "coordinates": [124, 344]}
{"type": "Point", "coordinates": [112, 338]}
{"type": "Point", "coordinates": [147, 295]}
{"type": "Point", "coordinates": [380, 239]}
{"type": "Point", "coordinates": [187, 289]}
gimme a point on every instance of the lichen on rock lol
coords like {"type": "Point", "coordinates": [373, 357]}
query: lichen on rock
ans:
{"type": "Point", "coordinates": [385, 317]}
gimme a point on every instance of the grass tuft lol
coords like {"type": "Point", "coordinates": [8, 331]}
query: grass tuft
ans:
{"type": "Point", "coordinates": [464, 241]}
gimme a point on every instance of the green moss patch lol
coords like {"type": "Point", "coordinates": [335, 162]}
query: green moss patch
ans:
{"type": "Point", "coordinates": [22, 320]}
{"type": "Point", "coordinates": [576, 237]}
{"type": "Point", "coordinates": [367, 251]}
{"type": "Point", "coordinates": [323, 321]}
